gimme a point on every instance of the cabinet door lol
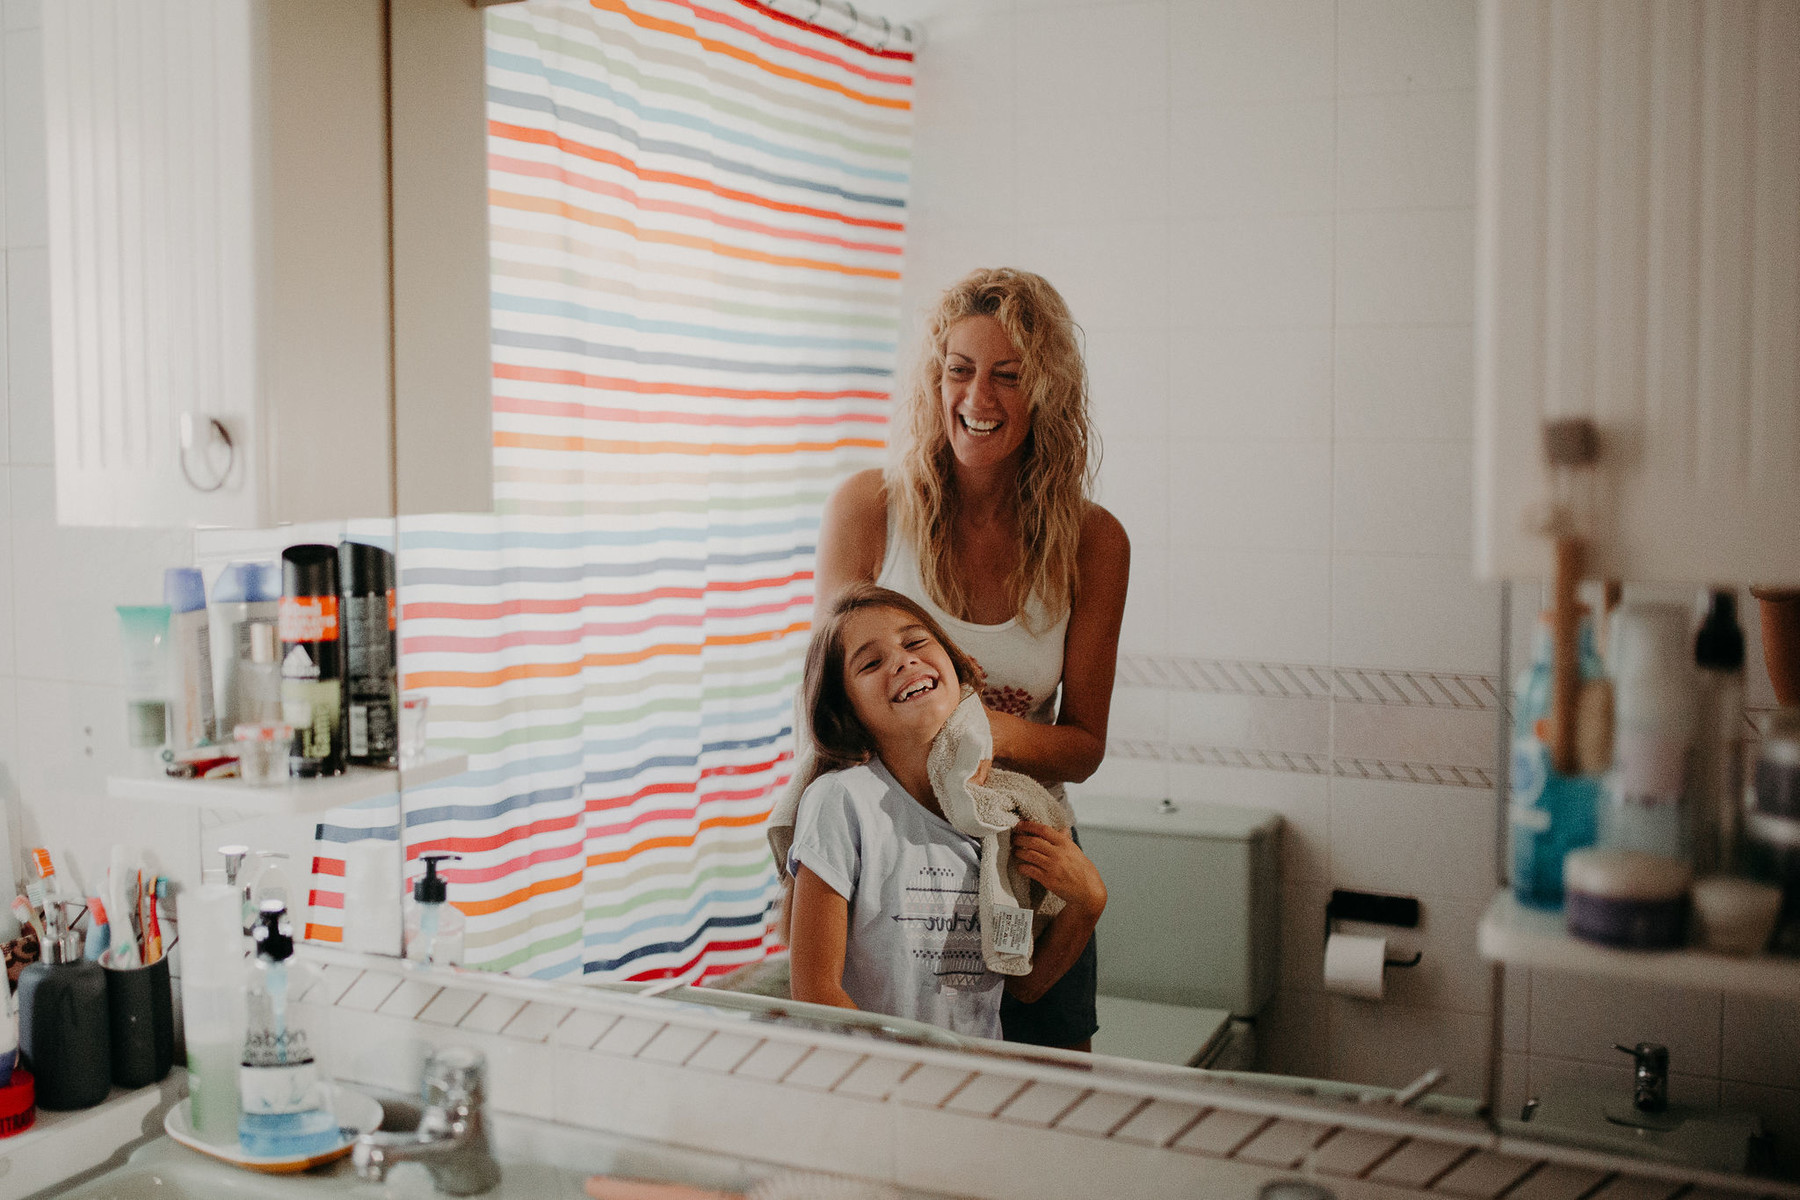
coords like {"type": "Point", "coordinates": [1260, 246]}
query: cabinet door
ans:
{"type": "Point", "coordinates": [1639, 263]}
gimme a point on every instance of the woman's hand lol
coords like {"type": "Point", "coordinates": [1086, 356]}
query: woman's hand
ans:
{"type": "Point", "coordinates": [1050, 857]}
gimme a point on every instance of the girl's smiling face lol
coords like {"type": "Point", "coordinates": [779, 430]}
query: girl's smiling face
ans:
{"type": "Point", "coordinates": [900, 680]}
{"type": "Point", "coordinates": [986, 413]}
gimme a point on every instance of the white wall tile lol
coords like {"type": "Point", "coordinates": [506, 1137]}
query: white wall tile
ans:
{"type": "Point", "coordinates": [1422, 613]}
{"type": "Point", "coordinates": [5, 402]}
{"type": "Point", "coordinates": [1130, 777]}
{"type": "Point", "coordinates": [1412, 839]}
{"type": "Point", "coordinates": [822, 1069]}
{"type": "Point", "coordinates": [723, 1052]}
{"type": "Point", "coordinates": [7, 576]}
{"type": "Point", "coordinates": [1302, 800]}
{"type": "Point", "coordinates": [1237, 51]}
{"type": "Point", "coordinates": [1099, 60]}
{"type": "Point", "coordinates": [964, 180]}
{"type": "Point", "coordinates": [1761, 1042]}
{"type": "Point", "coordinates": [1273, 382]}
{"type": "Point", "coordinates": [1405, 45]}
{"type": "Point", "coordinates": [1516, 1010]}
{"type": "Point", "coordinates": [1128, 386]}
{"type": "Point", "coordinates": [1406, 150]}
{"type": "Point", "coordinates": [1575, 1017]}
{"type": "Point", "coordinates": [32, 437]}
{"type": "Point", "coordinates": [1252, 604]}
{"type": "Point", "coordinates": [490, 1014]}
{"type": "Point", "coordinates": [673, 1044]}
{"type": "Point", "coordinates": [1250, 159]}
{"type": "Point", "coordinates": [25, 175]}
{"type": "Point", "coordinates": [1116, 273]}
{"type": "Point", "coordinates": [1092, 166]}
{"type": "Point", "coordinates": [1412, 266]}
{"type": "Point", "coordinates": [1394, 497]}
{"type": "Point", "coordinates": [1040, 1104]}
{"type": "Point", "coordinates": [1251, 722]}
{"type": "Point", "coordinates": [1390, 1045]}
{"type": "Point", "coordinates": [1157, 1123]}
{"type": "Point", "coordinates": [537, 1021]}
{"type": "Point", "coordinates": [1249, 495]}
{"type": "Point", "coordinates": [1134, 487]}
{"type": "Point", "coordinates": [1405, 381]}
{"type": "Point", "coordinates": [1146, 626]}
{"type": "Point", "coordinates": [23, 14]}
{"type": "Point", "coordinates": [1251, 271]}
{"type": "Point", "coordinates": [1450, 974]}
{"type": "Point", "coordinates": [628, 1036]}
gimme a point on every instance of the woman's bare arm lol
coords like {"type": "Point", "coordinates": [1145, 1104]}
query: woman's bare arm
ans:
{"type": "Point", "coordinates": [821, 928]}
{"type": "Point", "coordinates": [852, 536]}
{"type": "Point", "coordinates": [1051, 857]}
{"type": "Point", "coordinates": [1071, 749]}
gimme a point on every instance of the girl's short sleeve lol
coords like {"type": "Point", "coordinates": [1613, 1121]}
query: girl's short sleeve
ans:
{"type": "Point", "coordinates": [828, 836]}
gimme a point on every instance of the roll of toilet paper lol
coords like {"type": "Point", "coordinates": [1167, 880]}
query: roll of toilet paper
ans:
{"type": "Point", "coordinates": [1353, 965]}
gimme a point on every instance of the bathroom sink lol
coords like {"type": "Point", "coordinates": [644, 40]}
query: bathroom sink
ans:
{"type": "Point", "coordinates": [1710, 1139]}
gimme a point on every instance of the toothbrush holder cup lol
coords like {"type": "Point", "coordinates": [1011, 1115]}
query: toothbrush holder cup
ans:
{"type": "Point", "coordinates": [142, 1012]}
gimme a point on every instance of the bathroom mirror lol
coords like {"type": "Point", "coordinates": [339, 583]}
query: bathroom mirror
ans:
{"type": "Point", "coordinates": [1265, 227]}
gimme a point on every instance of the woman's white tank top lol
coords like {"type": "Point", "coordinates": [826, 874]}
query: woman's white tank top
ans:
{"type": "Point", "coordinates": [1024, 669]}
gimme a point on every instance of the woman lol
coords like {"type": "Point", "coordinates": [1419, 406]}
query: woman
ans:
{"type": "Point", "coordinates": [986, 521]}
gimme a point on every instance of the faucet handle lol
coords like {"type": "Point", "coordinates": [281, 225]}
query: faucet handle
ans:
{"type": "Point", "coordinates": [1649, 1056]}
{"type": "Point", "coordinates": [454, 1076]}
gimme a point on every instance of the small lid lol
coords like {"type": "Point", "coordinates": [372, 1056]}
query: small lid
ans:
{"type": "Point", "coordinates": [262, 642]}
{"type": "Point", "coordinates": [430, 889]}
{"type": "Point", "coordinates": [273, 942]}
{"type": "Point", "coordinates": [1626, 875]}
{"type": "Point", "coordinates": [262, 731]}
{"type": "Point", "coordinates": [365, 570]}
{"type": "Point", "coordinates": [183, 589]}
{"type": "Point", "coordinates": [309, 570]}
{"type": "Point", "coordinates": [248, 583]}
{"type": "Point", "coordinates": [1719, 646]}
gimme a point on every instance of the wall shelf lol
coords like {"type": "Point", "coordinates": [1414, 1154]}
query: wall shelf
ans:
{"type": "Point", "coordinates": [294, 796]}
{"type": "Point", "coordinates": [1525, 937]}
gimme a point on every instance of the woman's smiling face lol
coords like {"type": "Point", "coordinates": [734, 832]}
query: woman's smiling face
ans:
{"type": "Point", "coordinates": [986, 414]}
{"type": "Point", "coordinates": [900, 680]}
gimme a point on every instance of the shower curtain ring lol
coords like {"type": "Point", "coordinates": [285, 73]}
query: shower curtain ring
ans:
{"type": "Point", "coordinates": [855, 20]}
{"type": "Point", "coordinates": [887, 31]}
{"type": "Point", "coordinates": [818, 7]}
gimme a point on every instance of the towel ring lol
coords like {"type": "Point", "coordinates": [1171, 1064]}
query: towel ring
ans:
{"type": "Point", "coordinates": [216, 433]}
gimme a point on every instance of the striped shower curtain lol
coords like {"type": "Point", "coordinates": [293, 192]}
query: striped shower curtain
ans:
{"type": "Point", "coordinates": [697, 216]}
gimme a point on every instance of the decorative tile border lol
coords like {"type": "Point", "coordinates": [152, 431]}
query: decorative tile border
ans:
{"type": "Point", "coordinates": [609, 1060]}
{"type": "Point", "coordinates": [1308, 681]}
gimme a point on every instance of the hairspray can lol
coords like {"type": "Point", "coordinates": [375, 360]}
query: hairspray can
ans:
{"type": "Point", "coordinates": [312, 660]}
{"type": "Point", "coordinates": [369, 682]}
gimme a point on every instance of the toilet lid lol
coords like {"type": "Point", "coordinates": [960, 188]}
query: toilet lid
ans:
{"type": "Point", "coordinates": [1164, 1033]}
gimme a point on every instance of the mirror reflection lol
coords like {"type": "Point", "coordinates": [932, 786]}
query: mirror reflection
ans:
{"type": "Point", "coordinates": [983, 539]}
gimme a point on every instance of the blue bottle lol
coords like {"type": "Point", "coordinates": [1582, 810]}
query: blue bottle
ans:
{"type": "Point", "coordinates": [1551, 814]}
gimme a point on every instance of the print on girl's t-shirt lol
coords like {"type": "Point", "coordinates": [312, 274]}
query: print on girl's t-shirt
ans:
{"type": "Point", "coordinates": [943, 926]}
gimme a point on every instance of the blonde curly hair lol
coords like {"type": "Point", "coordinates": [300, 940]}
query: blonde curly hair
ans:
{"type": "Point", "coordinates": [1056, 480]}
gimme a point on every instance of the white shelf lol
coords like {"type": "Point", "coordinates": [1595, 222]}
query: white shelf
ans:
{"type": "Point", "coordinates": [294, 796]}
{"type": "Point", "coordinates": [1525, 937]}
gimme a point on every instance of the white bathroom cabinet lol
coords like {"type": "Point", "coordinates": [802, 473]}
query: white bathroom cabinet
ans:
{"type": "Point", "coordinates": [1638, 263]}
{"type": "Point", "coordinates": [268, 223]}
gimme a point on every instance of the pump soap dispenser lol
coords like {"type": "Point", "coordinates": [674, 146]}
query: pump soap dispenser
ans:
{"type": "Point", "coordinates": [285, 1110]}
{"type": "Point", "coordinates": [64, 1035]}
{"type": "Point", "coordinates": [434, 927]}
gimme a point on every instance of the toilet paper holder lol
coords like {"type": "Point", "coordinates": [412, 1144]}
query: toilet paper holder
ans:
{"type": "Point", "coordinates": [1375, 909]}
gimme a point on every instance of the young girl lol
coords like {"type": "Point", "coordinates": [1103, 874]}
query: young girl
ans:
{"type": "Point", "coordinates": [885, 905]}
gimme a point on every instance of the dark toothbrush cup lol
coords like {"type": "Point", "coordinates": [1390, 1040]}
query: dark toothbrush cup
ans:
{"type": "Point", "coordinates": [64, 1037]}
{"type": "Point", "coordinates": [141, 1016]}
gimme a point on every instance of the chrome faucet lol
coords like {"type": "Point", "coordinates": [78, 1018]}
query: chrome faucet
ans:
{"type": "Point", "coordinates": [451, 1141]}
{"type": "Point", "coordinates": [1650, 1087]}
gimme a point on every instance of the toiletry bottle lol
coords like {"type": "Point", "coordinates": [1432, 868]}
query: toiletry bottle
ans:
{"type": "Point", "coordinates": [212, 1007]}
{"type": "Point", "coordinates": [312, 662]}
{"type": "Point", "coordinates": [64, 1035]}
{"type": "Point", "coordinates": [144, 637]}
{"type": "Point", "coordinates": [1647, 802]}
{"type": "Point", "coordinates": [1719, 743]}
{"type": "Point", "coordinates": [271, 882]}
{"type": "Point", "coordinates": [1551, 814]}
{"type": "Point", "coordinates": [368, 620]}
{"type": "Point", "coordinates": [192, 721]}
{"type": "Point", "coordinates": [285, 1112]}
{"type": "Point", "coordinates": [434, 927]}
{"type": "Point", "coordinates": [246, 598]}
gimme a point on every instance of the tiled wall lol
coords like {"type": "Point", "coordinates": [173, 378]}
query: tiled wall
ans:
{"type": "Point", "coordinates": [920, 1118]}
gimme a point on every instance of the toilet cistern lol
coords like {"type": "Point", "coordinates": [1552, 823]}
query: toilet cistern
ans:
{"type": "Point", "coordinates": [1650, 1087]}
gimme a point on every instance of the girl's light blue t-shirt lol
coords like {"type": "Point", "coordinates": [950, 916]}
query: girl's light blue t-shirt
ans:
{"type": "Point", "coordinates": [914, 939]}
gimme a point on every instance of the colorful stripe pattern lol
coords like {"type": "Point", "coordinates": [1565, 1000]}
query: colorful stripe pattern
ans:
{"type": "Point", "coordinates": [698, 212]}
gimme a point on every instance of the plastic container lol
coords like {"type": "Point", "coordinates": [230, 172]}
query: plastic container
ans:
{"type": "Point", "coordinates": [141, 1022]}
{"type": "Point", "coordinates": [1718, 767]}
{"type": "Point", "coordinates": [262, 750]}
{"type": "Point", "coordinates": [1551, 814]}
{"type": "Point", "coordinates": [312, 660]}
{"type": "Point", "coordinates": [434, 926]}
{"type": "Point", "coordinates": [65, 1036]}
{"type": "Point", "coordinates": [246, 599]}
{"type": "Point", "coordinates": [1647, 802]}
{"type": "Point", "coordinates": [370, 675]}
{"type": "Point", "coordinates": [1627, 899]}
{"type": "Point", "coordinates": [212, 1007]}
{"type": "Point", "coordinates": [192, 719]}
{"type": "Point", "coordinates": [144, 639]}
{"type": "Point", "coordinates": [1734, 916]}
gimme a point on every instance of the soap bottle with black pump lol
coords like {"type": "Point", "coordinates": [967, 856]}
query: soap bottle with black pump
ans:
{"type": "Point", "coordinates": [65, 1037]}
{"type": "Point", "coordinates": [286, 1112]}
{"type": "Point", "coordinates": [434, 926]}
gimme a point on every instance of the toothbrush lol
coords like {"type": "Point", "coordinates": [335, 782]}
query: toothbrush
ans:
{"type": "Point", "coordinates": [21, 908]}
{"type": "Point", "coordinates": [119, 881]}
{"type": "Point", "coordinates": [152, 927]}
{"type": "Point", "coordinates": [99, 936]}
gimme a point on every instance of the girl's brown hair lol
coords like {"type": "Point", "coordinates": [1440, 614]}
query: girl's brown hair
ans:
{"type": "Point", "coordinates": [838, 738]}
{"type": "Point", "coordinates": [1056, 480]}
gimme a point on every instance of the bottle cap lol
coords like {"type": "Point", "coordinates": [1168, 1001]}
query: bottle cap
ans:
{"type": "Point", "coordinates": [430, 889]}
{"type": "Point", "coordinates": [365, 570]}
{"type": "Point", "coordinates": [183, 589]}
{"type": "Point", "coordinates": [273, 942]}
{"type": "Point", "coordinates": [309, 570]}
{"type": "Point", "coordinates": [248, 583]}
{"type": "Point", "coordinates": [1719, 646]}
{"type": "Point", "coordinates": [262, 731]}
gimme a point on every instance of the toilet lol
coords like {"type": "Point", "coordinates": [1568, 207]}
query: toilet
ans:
{"type": "Point", "coordinates": [1189, 942]}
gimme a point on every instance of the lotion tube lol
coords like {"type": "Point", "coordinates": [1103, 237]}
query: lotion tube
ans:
{"type": "Point", "coordinates": [144, 638]}
{"type": "Point", "coordinates": [191, 716]}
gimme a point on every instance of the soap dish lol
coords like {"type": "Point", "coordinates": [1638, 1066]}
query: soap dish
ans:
{"type": "Point", "coordinates": [356, 1114]}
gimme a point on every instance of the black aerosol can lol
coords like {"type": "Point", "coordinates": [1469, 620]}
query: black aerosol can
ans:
{"type": "Point", "coordinates": [369, 682]}
{"type": "Point", "coordinates": [312, 660]}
